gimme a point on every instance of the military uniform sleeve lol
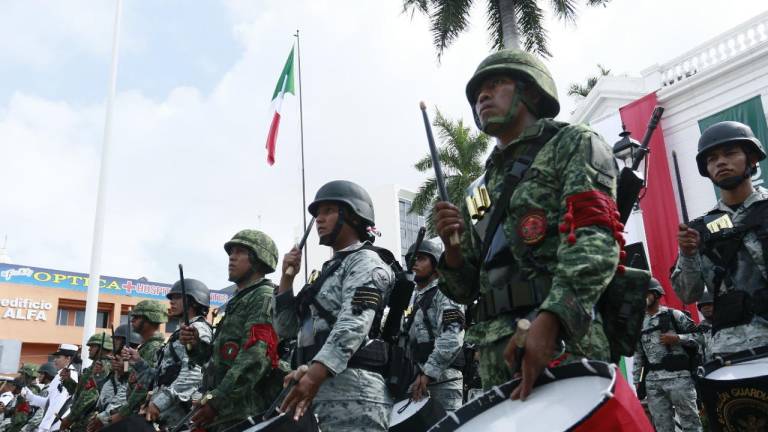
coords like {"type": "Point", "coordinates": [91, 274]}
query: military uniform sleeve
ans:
{"type": "Point", "coordinates": [688, 278]}
{"type": "Point", "coordinates": [584, 268]}
{"type": "Point", "coordinates": [286, 321]}
{"type": "Point", "coordinates": [687, 330]}
{"type": "Point", "coordinates": [189, 378]}
{"type": "Point", "coordinates": [365, 285]}
{"type": "Point", "coordinates": [461, 285]}
{"type": "Point", "coordinates": [114, 403]}
{"type": "Point", "coordinates": [143, 379]}
{"type": "Point", "coordinates": [86, 399]}
{"type": "Point", "coordinates": [255, 356]}
{"type": "Point", "coordinates": [450, 336]}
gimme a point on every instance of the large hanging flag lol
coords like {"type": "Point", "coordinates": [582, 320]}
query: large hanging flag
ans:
{"type": "Point", "coordinates": [284, 85]}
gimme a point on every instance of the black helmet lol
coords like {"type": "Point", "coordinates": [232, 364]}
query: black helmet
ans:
{"type": "Point", "coordinates": [120, 332]}
{"type": "Point", "coordinates": [705, 299]}
{"type": "Point", "coordinates": [655, 286]}
{"type": "Point", "coordinates": [195, 289]}
{"type": "Point", "coordinates": [723, 133]}
{"type": "Point", "coordinates": [428, 247]}
{"type": "Point", "coordinates": [352, 194]}
{"type": "Point", "coordinates": [48, 369]}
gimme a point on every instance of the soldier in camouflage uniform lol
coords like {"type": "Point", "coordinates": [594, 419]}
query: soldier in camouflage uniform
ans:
{"type": "Point", "coordinates": [556, 245]}
{"type": "Point", "coordinates": [660, 351]}
{"type": "Point", "coordinates": [113, 392]}
{"type": "Point", "coordinates": [336, 316]}
{"type": "Point", "coordinates": [706, 307]}
{"type": "Point", "coordinates": [176, 378]}
{"type": "Point", "coordinates": [21, 409]}
{"type": "Point", "coordinates": [243, 376]}
{"type": "Point", "coordinates": [85, 392]}
{"type": "Point", "coordinates": [145, 320]}
{"type": "Point", "coordinates": [435, 329]}
{"type": "Point", "coordinates": [45, 375]}
{"type": "Point", "coordinates": [725, 249]}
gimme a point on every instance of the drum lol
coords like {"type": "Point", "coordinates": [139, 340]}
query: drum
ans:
{"type": "Point", "coordinates": [734, 389]}
{"type": "Point", "coordinates": [285, 423]}
{"type": "Point", "coordinates": [415, 416]}
{"type": "Point", "coordinates": [586, 396]}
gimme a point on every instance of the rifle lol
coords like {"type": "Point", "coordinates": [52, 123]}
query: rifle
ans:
{"type": "Point", "coordinates": [127, 340]}
{"type": "Point", "coordinates": [441, 189]}
{"type": "Point", "coordinates": [290, 271]}
{"type": "Point", "coordinates": [114, 354]}
{"type": "Point", "coordinates": [629, 184]}
{"type": "Point", "coordinates": [184, 303]}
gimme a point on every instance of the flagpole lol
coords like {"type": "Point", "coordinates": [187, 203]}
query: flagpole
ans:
{"type": "Point", "coordinates": [301, 129]}
{"type": "Point", "coordinates": [94, 278]}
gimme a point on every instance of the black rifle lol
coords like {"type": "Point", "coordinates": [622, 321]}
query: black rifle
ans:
{"type": "Point", "coordinates": [441, 189]}
{"type": "Point", "coordinates": [127, 342]}
{"type": "Point", "coordinates": [184, 303]}
{"type": "Point", "coordinates": [629, 184]}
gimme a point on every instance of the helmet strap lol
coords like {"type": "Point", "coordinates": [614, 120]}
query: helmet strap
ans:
{"type": "Point", "coordinates": [330, 239]}
{"type": "Point", "coordinates": [519, 98]}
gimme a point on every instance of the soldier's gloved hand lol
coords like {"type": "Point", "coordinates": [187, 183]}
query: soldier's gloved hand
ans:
{"type": "Point", "coordinates": [540, 347]}
{"type": "Point", "coordinates": [419, 387]}
{"type": "Point", "coordinates": [300, 397]}
{"type": "Point", "coordinates": [204, 415]}
{"type": "Point", "coordinates": [688, 239]}
{"type": "Point", "coordinates": [669, 338]}
{"type": "Point", "coordinates": [448, 220]}
{"type": "Point", "coordinates": [188, 335]}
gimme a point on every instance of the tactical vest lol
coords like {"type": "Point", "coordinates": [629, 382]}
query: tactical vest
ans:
{"type": "Point", "coordinates": [167, 376]}
{"type": "Point", "coordinates": [722, 243]}
{"type": "Point", "coordinates": [420, 351]}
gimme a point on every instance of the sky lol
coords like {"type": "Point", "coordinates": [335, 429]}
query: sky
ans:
{"type": "Point", "coordinates": [187, 167]}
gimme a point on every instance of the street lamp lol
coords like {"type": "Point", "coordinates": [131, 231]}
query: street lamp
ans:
{"type": "Point", "coordinates": [627, 149]}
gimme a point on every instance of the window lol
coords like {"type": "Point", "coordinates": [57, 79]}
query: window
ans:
{"type": "Point", "coordinates": [409, 226]}
{"type": "Point", "coordinates": [72, 313]}
{"type": "Point", "coordinates": [63, 317]}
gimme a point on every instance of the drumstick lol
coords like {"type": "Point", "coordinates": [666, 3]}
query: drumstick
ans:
{"type": "Point", "coordinates": [523, 325]}
{"type": "Point", "coordinates": [290, 271]}
{"type": "Point", "coordinates": [272, 408]}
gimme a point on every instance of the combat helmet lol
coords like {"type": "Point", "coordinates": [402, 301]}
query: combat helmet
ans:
{"type": "Point", "coordinates": [97, 340]}
{"type": "Point", "coordinates": [723, 133]}
{"type": "Point", "coordinates": [152, 310]}
{"type": "Point", "coordinates": [195, 289]}
{"type": "Point", "coordinates": [655, 286]}
{"type": "Point", "coordinates": [29, 369]}
{"type": "Point", "coordinates": [262, 246]}
{"type": "Point", "coordinates": [705, 299]}
{"type": "Point", "coordinates": [355, 198]}
{"type": "Point", "coordinates": [48, 369]}
{"type": "Point", "coordinates": [135, 338]}
{"type": "Point", "coordinates": [428, 247]}
{"type": "Point", "coordinates": [520, 65]}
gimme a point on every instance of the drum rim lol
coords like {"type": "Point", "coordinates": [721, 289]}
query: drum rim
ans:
{"type": "Point", "coordinates": [602, 369]}
{"type": "Point", "coordinates": [731, 360]}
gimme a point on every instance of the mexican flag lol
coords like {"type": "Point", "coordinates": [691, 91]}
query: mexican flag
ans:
{"type": "Point", "coordinates": [284, 85]}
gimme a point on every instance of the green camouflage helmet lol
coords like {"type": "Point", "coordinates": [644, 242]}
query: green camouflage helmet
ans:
{"type": "Point", "coordinates": [520, 65]}
{"type": "Point", "coordinates": [29, 370]}
{"type": "Point", "coordinates": [96, 339]}
{"type": "Point", "coordinates": [259, 243]}
{"type": "Point", "coordinates": [152, 310]}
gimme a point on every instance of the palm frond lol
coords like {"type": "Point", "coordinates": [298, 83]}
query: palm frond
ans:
{"type": "Point", "coordinates": [565, 10]}
{"type": "Point", "coordinates": [424, 197]}
{"type": "Point", "coordinates": [494, 25]}
{"type": "Point", "coordinates": [603, 70]}
{"type": "Point", "coordinates": [530, 19]}
{"type": "Point", "coordinates": [423, 164]}
{"type": "Point", "coordinates": [413, 6]}
{"type": "Point", "coordinates": [598, 2]}
{"type": "Point", "coordinates": [449, 19]}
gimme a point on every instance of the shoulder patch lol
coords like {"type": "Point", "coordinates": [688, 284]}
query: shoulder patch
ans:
{"type": "Point", "coordinates": [365, 298]}
{"type": "Point", "coordinates": [601, 159]}
{"type": "Point", "coordinates": [381, 278]}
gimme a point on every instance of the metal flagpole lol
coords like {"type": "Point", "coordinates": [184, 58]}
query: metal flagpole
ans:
{"type": "Point", "coordinates": [301, 129]}
{"type": "Point", "coordinates": [92, 302]}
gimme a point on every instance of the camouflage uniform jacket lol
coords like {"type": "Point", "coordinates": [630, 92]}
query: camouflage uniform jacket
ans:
{"type": "Point", "coordinates": [37, 417]}
{"type": "Point", "coordinates": [692, 273]}
{"type": "Point", "coordinates": [574, 161]}
{"type": "Point", "coordinates": [20, 417]}
{"type": "Point", "coordinates": [242, 376]}
{"type": "Point", "coordinates": [650, 344]}
{"type": "Point", "coordinates": [446, 321]}
{"type": "Point", "coordinates": [137, 389]}
{"type": "Point", "coordinates": [85, 395]}
{"type": "Point", "coordinates": [171, 398]}
{"type": "Point", "coordinates": [705, 328]}
{"type": "Point", "coordinates": [111, 397]}
{"type": "Point", "coordinates": [360, 271]}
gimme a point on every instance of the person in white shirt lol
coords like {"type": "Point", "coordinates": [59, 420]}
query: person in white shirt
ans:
{"type": "Point", "coordinates": [64, 358]}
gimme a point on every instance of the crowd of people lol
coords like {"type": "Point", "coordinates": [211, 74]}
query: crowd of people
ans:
{"type": "Point", "coordinates": [538, 240]}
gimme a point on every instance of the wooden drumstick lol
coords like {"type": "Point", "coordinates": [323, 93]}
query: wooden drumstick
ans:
{"type": "Point", "coordinates": [290, 271]}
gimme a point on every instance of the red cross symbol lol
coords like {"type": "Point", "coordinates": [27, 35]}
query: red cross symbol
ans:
{"type": "Point", "coordinates": [128, 287]}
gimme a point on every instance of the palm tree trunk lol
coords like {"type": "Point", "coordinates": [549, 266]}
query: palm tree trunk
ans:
{"type": "Point", "coordinates": [510, 32]}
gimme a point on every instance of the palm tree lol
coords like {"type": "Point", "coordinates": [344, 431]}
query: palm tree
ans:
{"type": "Point", "coordinates": [509, 21]}
{"type": "Point", "coordinates": [580, 90]}
{"type": "Point", "coordinates": [462, 158]}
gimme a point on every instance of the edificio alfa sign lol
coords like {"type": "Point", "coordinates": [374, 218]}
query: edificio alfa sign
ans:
{"type": "Point", "coordinates": [24, 309]}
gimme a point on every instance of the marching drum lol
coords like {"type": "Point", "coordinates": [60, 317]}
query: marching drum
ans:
{"type": "Point", "coordinates": [285, 423]}
{"type": "Point", "coordinates": [586, 396]}
{"type": "Point", "coordinates": [415, 416]}
{"type": "Point", "coordinates": [734, 389]}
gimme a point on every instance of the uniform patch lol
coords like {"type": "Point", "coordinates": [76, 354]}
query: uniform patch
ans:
{"type": "Point", "coordinates": [229, 350]}
{"type": "Point", "coordinates": [601, 157]}
{"type": "Point", "coordinates": [451, 316]}
{"type": "Point", "coordinates": [533, 227]}
{"type": "Point", "coordinates": [365, 298]}
{"type": "Point", "coordinates": [381, 278]}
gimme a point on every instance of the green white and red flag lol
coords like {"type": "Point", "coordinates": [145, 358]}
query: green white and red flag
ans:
{"type": "Point", "coordinates": [284, 85]}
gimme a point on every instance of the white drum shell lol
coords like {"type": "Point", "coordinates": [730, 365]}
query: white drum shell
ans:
{"type": "Point", "coordinates": [395, 417]}
{"type": "Point", "coordinates": [748, 369]}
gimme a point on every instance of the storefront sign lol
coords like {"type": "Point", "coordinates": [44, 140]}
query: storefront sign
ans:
{"type": "Point", "coordinates": [24, 309]}
{"type": "Point", "coordinates": [48, 278]}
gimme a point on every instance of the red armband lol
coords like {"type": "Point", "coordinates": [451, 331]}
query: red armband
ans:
{"type": "Point", "coordinates": [593, 208]}
{"type": "Point", "coordinates": [265, 333]}
{"type": "Point", "coordinates": [90, 384]}
{"type": "Point", "coordinates": [23, 407]}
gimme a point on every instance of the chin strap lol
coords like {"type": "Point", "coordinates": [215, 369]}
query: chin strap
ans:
{"type": "Point", "coordinates": [512, 111]}
{"type": "Point", "coordinates": [731, 183]}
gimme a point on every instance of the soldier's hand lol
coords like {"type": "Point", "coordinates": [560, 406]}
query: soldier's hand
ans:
{"type": "Point", "coordinates": [292, 260]}
{"type": "Point", "coordinates": [688, 239]}
{"type": "Point", "coordinates": [64, 373]}
{"type": "Point", "coordinates": [117, 365]}
{"type": "Point", "coordinates": [94, 425]}
{"type": "Point", "coordinates": [300, 397]}
{"type": "Point", "coordinates": [539, 349]}
{"type": "Point", "coordinates": [152, 412]}
{"type": "Point", "coordinates": [669, 338]}
{"type": "Point", "coordinates": [204, 415]}
{"type": "Point", "coordinates": [98, 367]}
{"type": "Point", "coordinates": [448, 220]}
{"type": "Point", "coordinates": [188, 335]}
{"type": "Point", "coordinates": [419, 387]}
{"type": "Point", "coordinates": [131, 355]}
{"type": "Point", "coordinates": [115, 418]}
{"type": "Point", "coordinates": [65, 424]}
